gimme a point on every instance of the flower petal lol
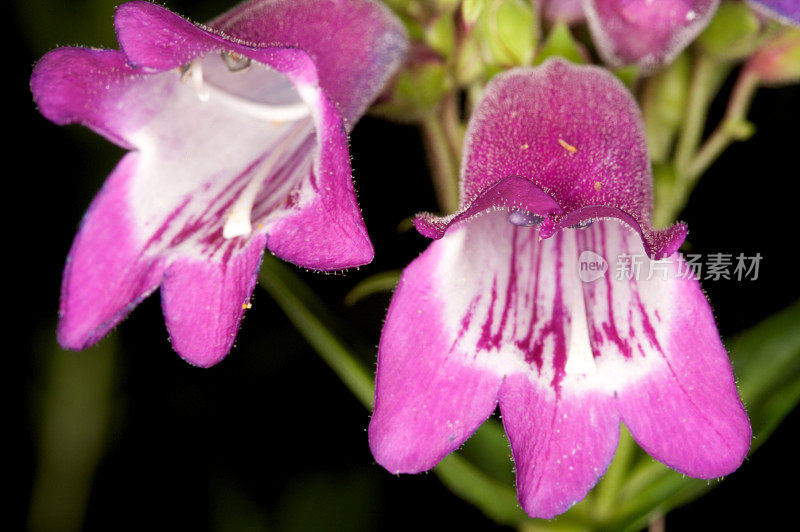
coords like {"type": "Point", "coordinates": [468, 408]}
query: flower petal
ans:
{"type": "Point", "coordinates": [645, 32]}
{"type": "Point", "coordinates": [320, 226]}
{"type": "Point", "coordinates": [89, 87]}
{"type": "Point", "coordinates": [204, 300]}
{"type": "Point", "coordinates": [486, 301]}
{"type": "Point", "coordinates": [509, 193]}
{"type": "Point", "coordinates": [575, 133]}
{"type": "Point", "coordinates": [155, 38]}
{"type": "Point", "coordinates": [562, 442]}
{"type": "Point", "coordinates": [656, 341]}
{"type": "Point", "coordinates": [355, 45]}
{"type": "Point", "coordinates": [786, 11]}
{"type": "Point", "coordinates": [428, 397]}
{"type": "Point", "coordinates": [108, 270]}
{"type": "Point", "coordinates": [327, 232]}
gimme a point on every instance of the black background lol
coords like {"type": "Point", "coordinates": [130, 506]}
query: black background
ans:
{"type": "Point", "coordinates": [270, 435]}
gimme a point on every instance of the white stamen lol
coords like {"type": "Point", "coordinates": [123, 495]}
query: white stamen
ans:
{"type": "Point", "coordinates": [262, 111]}
{"type": "Point", "coordinates": [238, 222]}
{"type": "Point", "coordinates": [580, 360]}
{"type": "Point", "coordinates": [195, 73]}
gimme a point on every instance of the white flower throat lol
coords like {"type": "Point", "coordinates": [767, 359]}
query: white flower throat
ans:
{"type": "Point", "coordinates": [239, 221]}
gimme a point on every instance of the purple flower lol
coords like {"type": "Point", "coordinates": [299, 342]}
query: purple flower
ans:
{"type": "Point", "coordinates": [555, 177]}
{"type": "Point", "coordinates": [649, 33]}
{"type": "Point", "coordinates": [238, 139]}
{"type": "Point", "coordinates": [786, 11]}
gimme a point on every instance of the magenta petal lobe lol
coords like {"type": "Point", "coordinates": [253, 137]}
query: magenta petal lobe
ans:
{"type": "Point", "coordinates": [562, 442]}
{"type": "Point", "coordinates": [429, 398]}
{"type": "Point", "coordinates": [656, 339]}
{"type": "Point", "coordinates": [109, 269]}
{"type": "Point", "coordinates": [204, 300]}
{"type": "Point", "coordinates": [86, 86]}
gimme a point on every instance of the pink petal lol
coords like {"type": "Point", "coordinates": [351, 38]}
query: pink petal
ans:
{"type": "Point", "coordinates": [429, 397]}
{"type": "Point", "coordinates": [108, 270]}
{"type": "Point", "coordinates": [485, 302]}
{"type": "Point", "coordinates": [562, 441]}
{"type": "Point", "coordinates": [90, 87]}
{"type": "Point", "coordinates": [646, 32]}
{"type": "Point", "coordinates": [658, 345]}
{"type": "Point", "coordinates": [327, 232]}
{"type": "Point", "coordinates": [204, 300]}
{"type": "Point", "coordinates": [576, 134]}
{"type": "Point", "coordinates": [351, 47]}
{"type": "Point", "coordinates": [509, 193]}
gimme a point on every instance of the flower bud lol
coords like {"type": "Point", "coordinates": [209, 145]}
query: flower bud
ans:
{"type": "Point", "coordinates": [416, 89]}
{"type": "Point", "coordinates": [470, 11]}
{"type": "Point", "coordinates": [778, 62]}
{"type": "Point", "coordinates": [508, 31]}
{"type": "Point", "coordinates": [441, 35]}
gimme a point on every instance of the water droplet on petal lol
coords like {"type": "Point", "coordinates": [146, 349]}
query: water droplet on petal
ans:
{"type": "Point", "coordinates": [582, 224]}
{"type": "Point", "coordinates": [236, 62]}
{"type": "Point", "coordinates": [524, 218]}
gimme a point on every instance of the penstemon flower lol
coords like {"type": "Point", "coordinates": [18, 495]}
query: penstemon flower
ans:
{"type": "Point", "coordinates": [645, 32]}
{"type": "Point", "coordinates": [238, 139]}
{"type": "Point", "coordinates": [496, 311]}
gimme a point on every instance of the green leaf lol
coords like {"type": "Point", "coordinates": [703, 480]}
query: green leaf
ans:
{"type": "Point", "coordinates": [380, 282]}
{"type": "Point", "coordinates": [766, 359]}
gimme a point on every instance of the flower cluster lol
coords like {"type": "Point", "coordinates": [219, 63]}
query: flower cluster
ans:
{"type": "Point", "coordinates": [238, 142]}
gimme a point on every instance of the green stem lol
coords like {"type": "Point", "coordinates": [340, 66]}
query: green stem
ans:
{"type": "Point", "coordinates": [689, 168]}
{"type": "Point", "coordinates": [443, 162]}
{"type": "Point", "coordinates": [607, 491]}
{"type": "Point", "coordinates": [700, 92]}
{"type": "Point", "coordinates": [451, 121]}
{"type": "Point", "coordinates": [729, 130]}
